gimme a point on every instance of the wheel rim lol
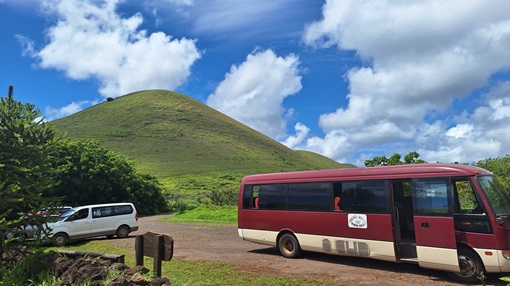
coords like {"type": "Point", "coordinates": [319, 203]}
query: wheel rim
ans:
{"type": "Point", "coordinates": [123, 232]}
{"type": "Point", "coordinates": [288, 246]}
{"type": "Point", "coordinates": [467, 266]}
{"type": "Point", "coordinates": [60, 239]}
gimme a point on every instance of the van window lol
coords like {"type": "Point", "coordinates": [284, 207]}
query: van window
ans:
{"type": "Point", "coordinates": [111, 211]}
{"type": "Point", "coordinates": [81, 214]}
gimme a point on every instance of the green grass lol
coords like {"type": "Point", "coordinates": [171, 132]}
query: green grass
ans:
{"type": "Point", "coordinates": [201, 272]}
{"type": "Point", "coordinates": [207, 213]}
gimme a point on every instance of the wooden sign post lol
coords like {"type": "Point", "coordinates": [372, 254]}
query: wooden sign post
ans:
{"type": "Point", "coordinates": [155, 245]}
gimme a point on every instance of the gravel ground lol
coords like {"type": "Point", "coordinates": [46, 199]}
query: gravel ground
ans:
{"type": "Point", "coordinates": [196, 241]}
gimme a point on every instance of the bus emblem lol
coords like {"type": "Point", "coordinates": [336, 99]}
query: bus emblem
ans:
{"type": "Point", "coordinates": [357, 220]}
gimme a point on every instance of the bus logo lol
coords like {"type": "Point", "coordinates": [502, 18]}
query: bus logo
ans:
{"type": "Point", "coordinates": [357, 220]}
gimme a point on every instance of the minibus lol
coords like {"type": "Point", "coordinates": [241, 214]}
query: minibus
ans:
{"type": "Point", "coordinates": [448, 217]}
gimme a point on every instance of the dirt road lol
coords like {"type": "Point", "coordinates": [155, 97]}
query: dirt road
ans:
{"type": "Point", "coordinates": [194, 241]}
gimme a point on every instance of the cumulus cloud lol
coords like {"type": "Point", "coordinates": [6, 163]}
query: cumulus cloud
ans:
{"type": "Point", "coordinates": [91, 41]}
{"type": "Point", "coordinates": [334, 145]}
{"type": "Point", "coordinates": [253, 91]}
{"type": "Point", "coordinates": [419, 57]}
{"type": "Point", "coordinates": [301, 133]}
{"type": "Point", "coordinates": [54, 113]}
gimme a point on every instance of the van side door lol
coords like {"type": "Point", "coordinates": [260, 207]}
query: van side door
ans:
{"type": "Point", "coordinates": [79, 223]}
{"type": "Point", "coordinates": [103, 220]}
{"type": "Point", "coordinates": [433, 202]}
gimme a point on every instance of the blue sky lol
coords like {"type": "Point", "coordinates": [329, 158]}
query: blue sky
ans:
{"type": "Point", "coordinates": [347, 79]}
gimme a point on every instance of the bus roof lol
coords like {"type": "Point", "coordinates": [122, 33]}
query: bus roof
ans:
{"type": "Point", "coordinates": [370, 173]}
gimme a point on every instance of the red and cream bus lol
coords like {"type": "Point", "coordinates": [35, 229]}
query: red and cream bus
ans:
{"type": "Point", "coordinates": [448, 217]}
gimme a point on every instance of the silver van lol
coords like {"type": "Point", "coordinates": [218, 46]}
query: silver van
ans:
{"type": "Point", "coordinates": [94, 220]}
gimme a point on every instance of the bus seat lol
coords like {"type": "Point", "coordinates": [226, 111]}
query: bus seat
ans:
{"type": "Point", "coordinates": [256, 203]}
{"type": "Point", "coordinates": [337, 203]}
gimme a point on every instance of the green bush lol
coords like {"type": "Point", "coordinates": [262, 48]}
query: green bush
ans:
{"type": "Point", "coordinates": [226, 197]}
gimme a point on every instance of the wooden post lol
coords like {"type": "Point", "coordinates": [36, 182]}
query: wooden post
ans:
{"type": "Point", "coordinates": [158, 254]}
{"type": "Point", "coordinates": [139, 250]}
{"type": "Point", "coordinates": [155, 245]}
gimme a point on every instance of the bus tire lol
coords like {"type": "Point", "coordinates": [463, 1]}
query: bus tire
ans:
{"type": "Point", "coordinates": [289, 246]}
{"type": "Point", "coordinates": [470, 267]}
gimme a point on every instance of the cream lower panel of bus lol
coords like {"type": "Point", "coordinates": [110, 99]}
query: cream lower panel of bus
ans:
{"type": "Point", "coordinates": [259, 236]}
{"type": "Point", "coordinates": [438, 258]}
{"type": "Point", "coordinates": [382, 250]}
{"type": "Point", "coordinates": [493, 260]}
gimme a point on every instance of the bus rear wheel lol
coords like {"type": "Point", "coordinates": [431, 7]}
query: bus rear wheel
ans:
{"type": "Point", "coordinates": [471, 267]}
{"type": "Point", "coordinates": [289, 246]}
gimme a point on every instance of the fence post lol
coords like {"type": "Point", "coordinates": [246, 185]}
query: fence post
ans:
{"type": "Point", "coordinates": [158, 254]}
{"type": "Point", "coordinates": [139, 250]}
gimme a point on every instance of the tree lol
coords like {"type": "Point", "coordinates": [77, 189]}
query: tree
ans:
{"type": "Point", "coordinates": [411, 158]}
{"type": "Point", "coordinates": [500, 167]}
{"type": "Point", "coordinates": [90, 174]}
{"type": "Point", "coordinates": [25, 141]}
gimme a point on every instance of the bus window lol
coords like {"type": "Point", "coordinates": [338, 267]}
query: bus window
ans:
{"type": "Point", "coordinates": [433, 197]}
{"type": "Point", "coordinates": [470, 215]}
{"type": "Point", "coordinates": [468, 202]}
{"type": "Point", "coordinates": [247, 197]}
{"type": "Point", "coordinates": [498, 196]}
{"type": "Point", "coordinates": [272, 197]}
{"type": "Point", "coordinates": [255, 192]}
{"type": "Point", "coordinates": [337, 195]}
{"type": "Point", "coordinates": [309, 197]}
{"type": "Point", "coordinates": [365, 196]}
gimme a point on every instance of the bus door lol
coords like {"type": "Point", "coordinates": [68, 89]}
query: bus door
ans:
{"type": "Point", "coordinates": [403, 227]}
{"type": "Point", "coordinates": [433, 204]}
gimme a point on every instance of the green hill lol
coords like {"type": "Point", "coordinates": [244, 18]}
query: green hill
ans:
{"type": "Point", "coordinates": [171, 135]}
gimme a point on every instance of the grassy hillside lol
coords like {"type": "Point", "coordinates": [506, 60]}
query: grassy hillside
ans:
{"type": "Point", "coordinates": [168, 134]}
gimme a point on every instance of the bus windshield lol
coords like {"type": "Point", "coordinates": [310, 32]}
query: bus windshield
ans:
{"type": "Point", "coordinates": [498, 196]}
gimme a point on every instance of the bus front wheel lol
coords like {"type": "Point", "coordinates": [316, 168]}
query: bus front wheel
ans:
{"type": "Point", "coordinates": [471, 267]}
{"type": "Point", "coordinates": [289, 246]}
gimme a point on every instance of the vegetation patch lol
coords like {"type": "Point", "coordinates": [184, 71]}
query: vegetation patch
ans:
{"type": "Point", "coordinates": [207, 213]}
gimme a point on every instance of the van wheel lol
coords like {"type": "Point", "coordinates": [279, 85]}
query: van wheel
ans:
{"type": "Point", "coordinates": [470, 267]}
{"type": "Point", "coordinates": [59, 239]}
{"type": "Point", "coordinates": [289, 246]}
{"type": "Point", "coordinates": [123, 231]}
{"type": "Point", "coordinates": [22, 237]}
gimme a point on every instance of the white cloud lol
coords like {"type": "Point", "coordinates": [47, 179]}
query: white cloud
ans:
{"type": "Point", "coordinates": [420, 57]}
{"type": "Point", "coordinates": [54, 113]}
{"type": "Point", "coordinates": [334, 145]}
{"type": "Point", "coordinates": [226, 16]}
{"type": "Point", "coordinates": [91, 41]}
{"type": "Point", "coordinates": [301, 133]}
{"type": "Point", "coordinates": [253, 92]}
{"type": "Point", "coordinates": [460, 131]}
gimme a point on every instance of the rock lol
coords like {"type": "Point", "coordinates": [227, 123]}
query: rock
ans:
{"type": "Point", "coordinates": [138, 280]}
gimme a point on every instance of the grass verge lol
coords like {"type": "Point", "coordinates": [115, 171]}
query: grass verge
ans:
{"type": "Point", "coordinates": [201, 272]}
{"type": "Point", "coordinates": [207, 213]}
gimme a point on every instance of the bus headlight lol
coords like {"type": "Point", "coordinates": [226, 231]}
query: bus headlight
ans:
{"type": "Point", "coordinates": [506, 254]}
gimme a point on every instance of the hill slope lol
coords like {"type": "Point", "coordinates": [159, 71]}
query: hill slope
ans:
{"type": "Point", "coordinates": [169, 134]}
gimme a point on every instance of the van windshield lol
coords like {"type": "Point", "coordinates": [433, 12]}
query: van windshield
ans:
{"type": "Point", "coordinates": [498, 196]}
{"type": "Point", "coordinates": [67, 214]}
